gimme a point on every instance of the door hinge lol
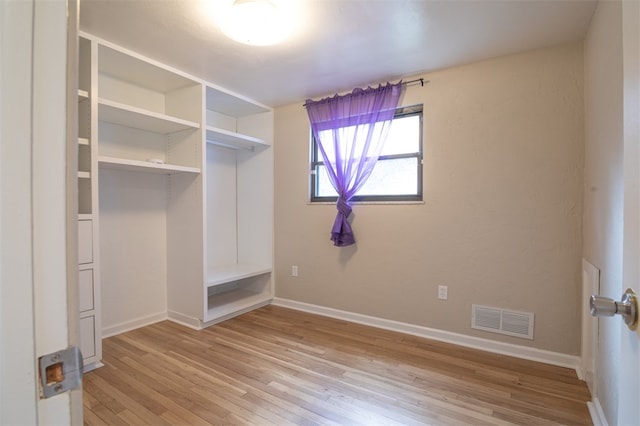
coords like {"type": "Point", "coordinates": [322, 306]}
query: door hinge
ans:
{"type": "Point", "coordinates": [60, 371]}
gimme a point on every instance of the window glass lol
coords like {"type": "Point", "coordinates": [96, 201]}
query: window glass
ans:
{"type": "Point", "coordinates": [404, 135]}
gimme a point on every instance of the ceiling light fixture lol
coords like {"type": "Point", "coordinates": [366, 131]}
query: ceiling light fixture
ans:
{"type": "Point", "coordinates": [256, 22]}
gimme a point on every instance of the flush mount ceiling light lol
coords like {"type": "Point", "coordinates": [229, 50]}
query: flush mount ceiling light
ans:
{"type": "Point", "coordinates": [256, 22]}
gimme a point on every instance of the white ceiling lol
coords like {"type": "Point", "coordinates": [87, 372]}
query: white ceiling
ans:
{"type": "Point", "coordinates": [339, 44]}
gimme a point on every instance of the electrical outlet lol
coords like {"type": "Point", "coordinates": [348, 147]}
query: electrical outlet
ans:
{"type": "Point", "coordinates": [294, 271]}
{"type": "Point", "coordinates": [442, 292]}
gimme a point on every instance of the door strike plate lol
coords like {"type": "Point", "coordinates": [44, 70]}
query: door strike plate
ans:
{"type": "Point", "coordinates": [60, 371]}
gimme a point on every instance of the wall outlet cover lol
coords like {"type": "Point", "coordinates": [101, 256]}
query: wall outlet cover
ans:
{"type": "Point", "coordinates": [443, 292]}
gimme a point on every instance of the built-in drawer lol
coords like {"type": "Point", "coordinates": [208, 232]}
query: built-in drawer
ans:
{"type": "Point", "coordinates": [87, 337]}
{"type": "Point", "coordinates": [85, 241]}
{"type": "Point", "coordinates": [85, 284]}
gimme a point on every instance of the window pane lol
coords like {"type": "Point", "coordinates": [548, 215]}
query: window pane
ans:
{"type": "Point", "coordinates": [393, 177]}
{"type": "Point", "coordinates": [404, 136]}
{"type": "Point", "coordinates": [389, 177]}
{"type": "Point", "coordinates": [324, 189]}
{"type": "Point", "coordinates": [348, 136]}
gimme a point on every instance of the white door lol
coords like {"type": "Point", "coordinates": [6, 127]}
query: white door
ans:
{"type": "Point", "coordinates": [629, 373]}
{"type": "Point", "coordinates": [35, 207]}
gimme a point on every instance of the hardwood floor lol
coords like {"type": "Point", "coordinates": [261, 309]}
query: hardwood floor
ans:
{"type": "Point", "coordinates": [279, 366]}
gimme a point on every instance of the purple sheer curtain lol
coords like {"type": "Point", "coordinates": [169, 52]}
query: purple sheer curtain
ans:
{"type": "Point", "coordinates": [350, 131]}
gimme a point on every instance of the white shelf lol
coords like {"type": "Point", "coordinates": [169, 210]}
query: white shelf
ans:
{"type": "Point", "coordinates": [227, 274]}
{"type": "Point", "coordinates": [231, 303]}
{"type": "Point", "coordinates": [140, 71]}
{"type": "Point", "coordinates": [139, 118]}
{"type": "Point", "coordinates": [84, 175]}
{"type": "Point", "coordinates": [143, 166]}
{"type": "Point", "coordinates": [84, 216]}
{"type": "Point", "coordinates": [232, 105]}
{"type": "Point", "coordinates": [82, 95]}
{"type": "Point", "coordinates": [229, 139]}
{"type": "Point", "coordinates": [83, 141]}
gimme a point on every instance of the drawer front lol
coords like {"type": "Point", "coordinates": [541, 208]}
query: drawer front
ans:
{"type": "Point", "coordinates": [85, 281]}
{"type": "Point", "coordinates": [85, 241]}
{"type": "Point", "coordinates": [87, 337]}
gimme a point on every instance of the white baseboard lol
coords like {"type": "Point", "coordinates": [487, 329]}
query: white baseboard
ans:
{"type": "Point", "coordinates": [532, 354]}
{"type": "Point", "coordinates": [597, 415]}
{"type": "Point", "coordinates": [133, 324]}
{"type": "Point", "coordinates": [92, 366]}
{"type": "Point", "coordinates": [185, 320]}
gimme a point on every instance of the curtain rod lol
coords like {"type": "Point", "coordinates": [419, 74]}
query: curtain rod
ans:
{"type": "Point", "coordinates": [421, 81]}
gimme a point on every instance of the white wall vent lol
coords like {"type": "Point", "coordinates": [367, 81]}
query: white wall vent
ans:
{"type": "Point", "coordinates": [496, 320]}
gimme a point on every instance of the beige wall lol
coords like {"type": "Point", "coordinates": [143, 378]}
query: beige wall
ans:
{"type": "Point", "coordinates": [501, 222]}
{"type": "Point", "coordinates": [603, 186]}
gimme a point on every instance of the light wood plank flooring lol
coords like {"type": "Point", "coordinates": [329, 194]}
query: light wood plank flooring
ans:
{"type": "Point", "coordinates": [279, 366]}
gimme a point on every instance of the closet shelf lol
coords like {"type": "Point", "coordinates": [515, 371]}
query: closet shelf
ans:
{"type": "Point", "coordinates": [143, 166]}
{"type": "Point", "coordinates": [83, 141]}
{"type": "Point", "coordinates": [83, 95]}
{"type": "Point", "coordinates": [229, 139]}
{"type": "Point", "coordinates": [138, 118]}
{"type": "Point", "coordinates": [232, 105]}
{"type": "Point", "coordinates": [230, 273]}
{"type": "Point", "coordinates": [225, 305]}
{"type": "Point", "coordinates": [84, 175]}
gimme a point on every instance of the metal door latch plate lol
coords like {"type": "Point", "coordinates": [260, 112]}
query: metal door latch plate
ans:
{"type": "Point", "coordinates": [60, 371]}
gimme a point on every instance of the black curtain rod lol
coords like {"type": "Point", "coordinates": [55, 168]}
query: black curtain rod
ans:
{"type": "Point", "coordinates": [421, 81]}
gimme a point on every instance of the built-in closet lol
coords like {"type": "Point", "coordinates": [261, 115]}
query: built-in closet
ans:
{"type": "Point", "coordinates": [175, 189]}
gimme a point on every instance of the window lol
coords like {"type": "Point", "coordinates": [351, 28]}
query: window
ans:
{"type": "Point", "coordinates": [397, 175]}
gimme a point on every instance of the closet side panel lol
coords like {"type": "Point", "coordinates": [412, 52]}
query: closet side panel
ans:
{"type": "Point", "coordinates": [185, 268]}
